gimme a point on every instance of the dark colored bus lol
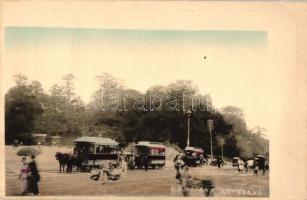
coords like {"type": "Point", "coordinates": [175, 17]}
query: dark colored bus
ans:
{"type": "Point", "coordinates": [149, 153]}
{"type": "Point", "coordinates": [193, 156]}
{"type": "Point", "coordinates": [94, 151]}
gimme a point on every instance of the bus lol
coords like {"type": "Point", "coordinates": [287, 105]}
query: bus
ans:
{"type": "Point", "coordinates": [193, 156]}
{"type": "Point", "coordinates": [151, 152]}
{"type": "Point", "coordinates": [94, 151]}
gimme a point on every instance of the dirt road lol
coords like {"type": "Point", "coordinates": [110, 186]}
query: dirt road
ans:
{"type": "Point", "coordinates": [134, 183]}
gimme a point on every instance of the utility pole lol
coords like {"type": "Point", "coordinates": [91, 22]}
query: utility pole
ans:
{"type": "Point", "coordinates": [189, 112]}
{"type": "Point", "coordinates": [210, 127]}
{"type": "Point", "coordinates": [222, 152]}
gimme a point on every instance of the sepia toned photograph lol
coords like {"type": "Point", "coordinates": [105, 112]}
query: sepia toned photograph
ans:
{"type": "Point", "coordinates": [140, 112]}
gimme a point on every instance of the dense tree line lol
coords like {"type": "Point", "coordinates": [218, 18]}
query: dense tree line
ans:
{"type": "Point", "coordinates": [127, 115]}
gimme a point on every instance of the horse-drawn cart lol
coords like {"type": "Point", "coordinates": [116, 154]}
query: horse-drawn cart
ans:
{"type": "Point", "coordinates": [96, 151]}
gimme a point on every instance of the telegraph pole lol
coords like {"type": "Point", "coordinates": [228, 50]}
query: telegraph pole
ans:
{"type": "Point", "coordinates": [222, 152]}
{"type": "Point", "coordinates": [189, 112]}
{"type": "Point", "coordinates": [210, 127]}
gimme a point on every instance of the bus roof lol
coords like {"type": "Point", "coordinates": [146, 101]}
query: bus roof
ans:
{"type": "Point", "coordinates": [97, 140]}
{"type": "Point", "coordinates": [193, 149]}
{"type": "Point", "coordinates": [151, 144]}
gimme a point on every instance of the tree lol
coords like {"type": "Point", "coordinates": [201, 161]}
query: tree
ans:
{"type": "Point", "coordinates": [68, 86]}
{"type": "Point", "coordinates": [235, 117]}
{"type": "Point", "coordinates": [246, 143]}
{"type": "Point", "coordinates": [114, 112]}
{"type": "Point", "coordinates": [22, 109]}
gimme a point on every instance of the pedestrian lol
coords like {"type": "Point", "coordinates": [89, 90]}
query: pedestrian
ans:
{"type": "Point", "coordinates": [262, 165]}
{"type": "Point", "coordinates": [219, 162]}
{"type": "Point", "coordinates": [179, 165]}
{"type": "Point", "coordinates": [186, 180]}
{"type": "Point", "coordinates": [201, 159]}
{"type": "Point", "coordinates": [34, 176]}
{"type": "Point", "coordinates": [245, 167]}
{"type": "Point", "coordinates": [256, 168]}
{"type": "Point", "coordinates": [145, 160]}
{"type": "Point", "coordinates": [23, 175]}
{"type": "Point", "coordinates": [104, 175]}
{"type": "Point", "coordinates": [124, 166]}
{"type": "Point", "coordinates": [69, 163]}
{"type": "Point", "coordinates": [120, 159]}
{"type": "Point", "coordinates": [240, 166]}
{"type": "Point", "coordinates": [39, 145]}
{"type": "Point", "coordinates": [131, 162]}
{"type": "Point", "coordinates": [15, 144]}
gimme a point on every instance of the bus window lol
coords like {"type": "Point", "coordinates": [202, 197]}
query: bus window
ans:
{"type": "Point", "coordinates": [97, 149]}
{"type": "Point", "coordinates": [113, 149]}
{"type": "Point", "coordinates": [91, 149]}
{"type": "Point", "coordinates": [157, 152]}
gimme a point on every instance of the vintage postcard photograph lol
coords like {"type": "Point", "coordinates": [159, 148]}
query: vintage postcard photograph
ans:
{"type": "Point", "coordinates": [146, 112]}
{"type": "Point", "coordinates": [135, 115]}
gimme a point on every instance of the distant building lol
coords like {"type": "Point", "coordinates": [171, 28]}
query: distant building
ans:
{"type": "Point", "coordinates": [39, 138]}
{"type": "Point", "coordinates": [54, 140]}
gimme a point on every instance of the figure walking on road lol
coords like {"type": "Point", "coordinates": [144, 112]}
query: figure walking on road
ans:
{"type": "Point", "coordinates": [240, 166]}
{"type": "Point", "coordinates": [34, 176]}
{"type": "Point", "coordinates": [256, 167]}
{"type": "Point", "coordinates": [24, 173]}
{"type": "Point", "coordinates": [185, 180]}
{"type": "Point", "coordinates": [246, 167]}
{"type": "Point", "coordinates": [146, 163]}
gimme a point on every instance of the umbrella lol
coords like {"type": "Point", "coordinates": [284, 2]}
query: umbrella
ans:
{"type": "Point", "coordinates": [260, 156]}
{"type": "Point", "coordinates": [28, 151]}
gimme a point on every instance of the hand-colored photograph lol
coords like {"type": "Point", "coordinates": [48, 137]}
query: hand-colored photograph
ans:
{"type": "Point", "coordinates": [137, 112]}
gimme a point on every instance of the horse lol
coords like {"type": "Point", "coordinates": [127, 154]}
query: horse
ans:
{"type": "Point", "coordinates": [69, 161]}
{"type": "Point", "coordinates": [62, 158]}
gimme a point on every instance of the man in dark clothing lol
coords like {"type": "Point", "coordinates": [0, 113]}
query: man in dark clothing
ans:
{"type": "Point", "coordinates": [219, 162]}
{"type": "Point", "coordinates": [262, 165]}
{"type": "Point", "coordinates": [146, 162]}
{"type": "Point", "coordinates": [69, 163]}
{"type": "Point", "coordinates": [34, 177]}
{"type": "Point", "coordinates": [245, 166]}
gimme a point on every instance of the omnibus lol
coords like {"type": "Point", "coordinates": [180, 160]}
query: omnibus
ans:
{"type": "Point", "coordinates": [151, 152]}
{"type": "Point", "coordinates": [94, 151]}
{"type": "Point", "coordinates": [235, 161]}
{"type": "Point", "coordinates": [193, 156]}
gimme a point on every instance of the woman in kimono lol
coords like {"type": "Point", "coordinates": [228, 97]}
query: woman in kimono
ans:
{"type": "Point", "coordinates": [23, 175]}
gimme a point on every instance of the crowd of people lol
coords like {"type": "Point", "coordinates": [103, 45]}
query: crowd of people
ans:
{"type": "Point", "coordinates": [258, 164]}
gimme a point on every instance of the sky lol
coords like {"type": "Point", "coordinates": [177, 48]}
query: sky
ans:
{"type": "Point", "coordinates": [232, 73]}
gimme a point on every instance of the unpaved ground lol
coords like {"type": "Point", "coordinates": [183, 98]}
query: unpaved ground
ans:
{"type": "Point", "coordinates": [134, 183]}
